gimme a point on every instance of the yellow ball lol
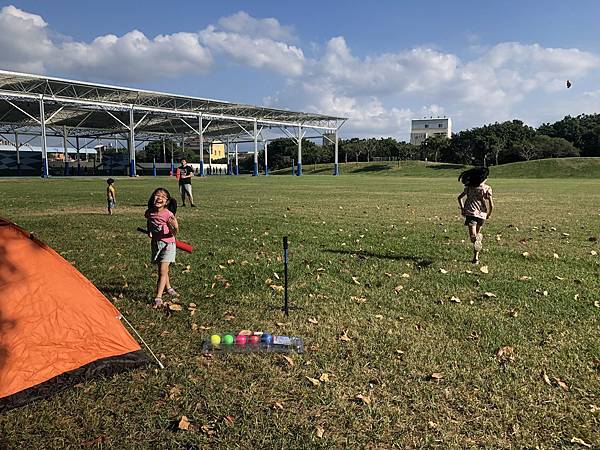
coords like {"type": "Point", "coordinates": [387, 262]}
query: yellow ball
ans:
{"type": "Point", "coordinates": [215, 339]}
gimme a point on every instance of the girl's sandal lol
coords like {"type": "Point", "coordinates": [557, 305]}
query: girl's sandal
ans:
{"type": "Point", "coordinates": [158, 302]}
{"type": "Point", "coordinates": [172, 292]}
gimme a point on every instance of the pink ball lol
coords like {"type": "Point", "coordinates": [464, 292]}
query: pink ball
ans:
{"type": "Point", "coordinates": [241, 339]}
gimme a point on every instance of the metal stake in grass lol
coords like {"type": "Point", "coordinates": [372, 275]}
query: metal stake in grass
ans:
{"type": "Point", "coordinates": [285, 308]}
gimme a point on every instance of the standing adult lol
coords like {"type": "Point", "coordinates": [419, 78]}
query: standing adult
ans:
{"type": "Point", "coordinates": [186, 173]}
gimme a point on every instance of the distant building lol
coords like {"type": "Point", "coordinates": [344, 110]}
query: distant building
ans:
{"type": "Point", "coordinates": [421, 129]}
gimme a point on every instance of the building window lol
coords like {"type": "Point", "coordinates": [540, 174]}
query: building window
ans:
{"type": "Point", "coordinates": [439, 125]}
{"type": "Point", "coordinates": [426, 125]}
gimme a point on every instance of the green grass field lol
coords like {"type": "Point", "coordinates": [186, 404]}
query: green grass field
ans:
{"type": "Point", "coordinates": [376, 259]}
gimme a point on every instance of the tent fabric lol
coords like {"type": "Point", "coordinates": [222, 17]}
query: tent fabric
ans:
{"type": "Point", "coordinates": [56, 327]}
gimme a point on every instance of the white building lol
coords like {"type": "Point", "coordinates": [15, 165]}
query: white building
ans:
{"type": "Point", "coordinates": [421, 129]}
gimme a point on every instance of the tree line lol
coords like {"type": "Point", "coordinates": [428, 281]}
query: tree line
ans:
{"type": "Point", "coordinates": [493, 144]}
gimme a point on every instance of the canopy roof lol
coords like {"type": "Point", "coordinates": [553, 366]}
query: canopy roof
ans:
{"type": "Point", "coordinates": [95, 110]}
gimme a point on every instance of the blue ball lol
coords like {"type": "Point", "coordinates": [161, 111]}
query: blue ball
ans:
{"type": "Point", "coordinates": [266, 338]}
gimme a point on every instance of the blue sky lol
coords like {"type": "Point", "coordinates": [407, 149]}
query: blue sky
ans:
{"type": "Point", "coordinates": [379, 63]}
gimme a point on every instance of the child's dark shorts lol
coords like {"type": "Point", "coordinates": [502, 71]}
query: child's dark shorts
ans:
{"type": "Point", "coordinates": [472, 220]}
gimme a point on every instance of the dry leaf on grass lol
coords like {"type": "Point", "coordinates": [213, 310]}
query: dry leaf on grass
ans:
{"type": "Point", "coordinates": [484, 269]}
{"type": "Point", "coordinates": [314, 381]}
{"type": "Point", "coordinates": [228, 420]}
{"type": "Point", "coordinates": [561, 384]}
{"type": "Point", "coordinates": [231, 261]}
{"type": "Point", "coordinates": [319, 431]}
{"type": "Point", "coordinates": [355, 280]}
{"type": "Point", "coordinates": [489, 294]}
{"type": "Point", "coordinates": [289, 360]}
{"type": "Point", "coordinates": [597, 304]}
{"type": "Point", "coordinates": [207, 429]}
{"type": "Point", "coordinates": [344, 337]}
{"type": "Point", "coordinates": [229, 317]}
{"type": "Point", "coordinates": [364, 399]}
{"type": "Point", "coordinates": [576, 440]}
{"type": "Point", "coordinates": [524, 278]}
{"type": "Point", "coordinates": [313, 320]}
{"type": "Point", "coordinates": [505, 354]}
{"type": "Point", "coordinates": [405, 275]}
{"type": "Point", "coordinates": [443, 271]}
{"type": "Point", "coordinates": [184, 423]}
{"type": "Point", "coordinates": [175, 307]}
{"type": "Point", "coordinates": [187, 269]}
{"type": "Point", "coordinates": [436, 376]}
{"type": "Point", "coordinates": [593, 252]}
{"type": "Point", "coordinates": [455, 299]}
{"type": "Point", "coordinates": [525, 254]}
{"type": "Point", "coordinates": [277, 405]}
{"type": "Point", "coordinates": [398, 288]}
{"type": "Point", "coordinates": [545, 377]}
{"type": "Point", "coordinates": [324, 378]}
{"type": "Point", "coordinates": [555, 255]}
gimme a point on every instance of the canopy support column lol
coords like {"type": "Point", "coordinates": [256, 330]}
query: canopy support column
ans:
{"type": "Point", "coordinates": [65, 150]}
{"type": "Point", "coordinates": [201, 130]}
{"type": "Point", "coordinates": [299, 164]}
{"type": "Point", "coordinates": [17, 147]}
{"type": "Point", "coordinates": [336, 167]}
{"type": "Point", "coordinates": [78, 155]}
{"type": "Point", "coordinates": [44, 147]}
{"type": "Point", "coordinates": [131, 144]}
{"type": "Point", "coordinates": [255, 168]}
{"type": "Point", "coordinates": [266, 159]}
{"type": "Point", "coordinates": [237, 167]}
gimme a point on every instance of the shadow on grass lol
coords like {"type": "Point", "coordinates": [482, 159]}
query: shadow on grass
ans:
{"type": "Point", "coordinates": [419, 262]}
{"type": "Point", "coordinates": [448, 167]}
{"type": "Point", "coordinates": [372, 168]}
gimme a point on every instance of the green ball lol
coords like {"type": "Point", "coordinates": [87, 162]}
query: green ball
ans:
{"type": "Point", "coordinates": [228, 339]}
{"type": "Point", "coordinates": [215, 339]}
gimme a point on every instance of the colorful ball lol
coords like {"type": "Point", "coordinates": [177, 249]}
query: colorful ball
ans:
{"type": "Point", "coordinates": [254, 339]}
{"type": "Point", "coordinates": [228, 339]}
{"type": "Point", "coordinates": [241, 339]}
{"type": "Point", "coordinates": [266, 338]}
{"type": "Point", "coordinates": [215, 339]}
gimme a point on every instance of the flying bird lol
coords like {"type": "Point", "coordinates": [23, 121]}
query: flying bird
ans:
{"type": "Point", "coordinates": [568, 84]}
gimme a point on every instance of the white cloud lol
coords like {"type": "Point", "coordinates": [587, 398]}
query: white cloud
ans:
{"type": "Point", "coordinates": [242, 23]}
{"type": "Point", "coordinates": [259, 53]}
{"type": "Point", "coordinates": [135, 57]}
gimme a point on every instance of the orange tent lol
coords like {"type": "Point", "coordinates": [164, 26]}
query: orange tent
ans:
{"type": "Point", "coordinates": [56, 328]}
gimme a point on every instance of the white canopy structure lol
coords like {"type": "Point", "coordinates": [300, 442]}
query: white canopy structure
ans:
{"type": "Point", "coordinates": [34, 105]}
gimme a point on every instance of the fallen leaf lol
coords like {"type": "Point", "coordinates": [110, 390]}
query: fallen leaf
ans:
{"type": "Point", "coordinates": [363, 398]}
{"type": "Point", "coordinates": [489, 294]}
{"type": "Point", "coordinates": [275, 275]}
{"type": "Point", "coordinates": [355, 280]}
{"type": "Point", "coordinates": [221, 266]}
{"type": "Point", "coordinates": [358, 299]}
{"type": "Point", "coordinates": [525, 254]}
{"type": "Point", "coordinates": [561, 384]}
{"type": "Point", "coordinates": [436, 376]}
{"type": "Point", "coordinates": [398, 288]}
{"type": "Point", "coordinates": [187, 269]}
{"type": "Point", "coordinates": [175, 307]}
{"type": "Point", "coordinates": [576, 297]}
{"type": "Point", "coordinates": [268, 281]}
{"type": "Point", "coordinates": [229, 317]}
{"type": "Point", "coordinates": [455, 299]}
{"type": "Point", "coordinates": [314, 381]}
{"type": "Point", "coordinates": [228, 420]}
{"type": "Point", "coordinates": [184, 423]}
{"type": "Point", "coordinates": [576, 440]}
{"type": "Point", "coordinates": [389, 275]}
{"type": "Point", "coordinates": [524, 278]}
{"type": "Point", "coordinates": [289, 360]}
{"type": "Point", "coordinates": [555, 255]}
{"type": "Point", "coordinates": [231, 261]}
{"type": "Point", "coordinates": [344, 337]}
{"type": "Point", "coordinates": [505, 354]}
{"type": "Point", "coordinates": [207, 429]}
{"type": "Point", "coordinates": [597, 303]}
{"type": "Point", "coordinates": [319, 431]}
{"type": "Point", "coordinates": [405, 275]}
{"type": "Point", "coordinates": [174, 392]}
{"type": "Point", "coordinates": [324, 378]}
{"type": "Point", "coordinates": [194, 327]}
{"type": "Point", "coordinates": [276, 288]}
{"type": "Point", "coordinates": [313, 320]}
{"type": "Point", "coordinates": [593, 252]}
{"type": "Point", "coordinates": [559, 278]}
{"type": "Point", "coordinates": [484, 269]}
{"type": "Point", "coordinates": [443, 271]}
{"type": "Point", "coordinates": [277, 405]}
{"type": "Point", "coordinates": [545, 377]}
{"type": "Point", "coordinates": [378, 316]}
